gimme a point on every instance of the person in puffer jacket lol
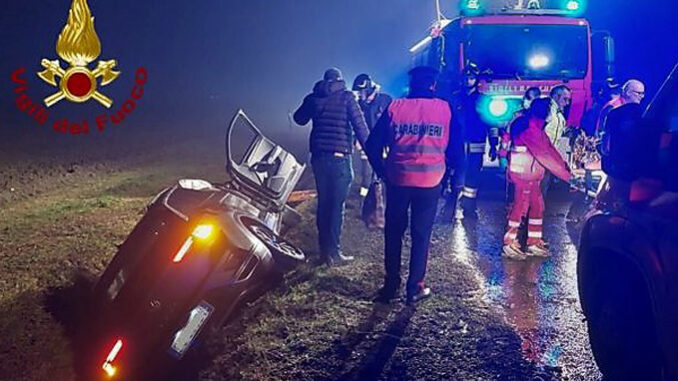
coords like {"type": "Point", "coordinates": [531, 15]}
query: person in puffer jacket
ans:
{"type": "Point", "coordinates": [337, 122]}
{"type": "Point", "coordinates": [532, 155]}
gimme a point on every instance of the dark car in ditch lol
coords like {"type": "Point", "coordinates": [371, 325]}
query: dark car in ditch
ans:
{"type": "Point", "coordinates": [199, 251]}
{"type": "Point", "coordinates": [628, 252]}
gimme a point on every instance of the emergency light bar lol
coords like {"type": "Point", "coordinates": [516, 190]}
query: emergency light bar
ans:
{"type": "Point", "coordinates": [526, 7]}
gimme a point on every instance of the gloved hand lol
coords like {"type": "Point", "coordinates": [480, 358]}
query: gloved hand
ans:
{"type": "Point", "coordinates": [493, 153]}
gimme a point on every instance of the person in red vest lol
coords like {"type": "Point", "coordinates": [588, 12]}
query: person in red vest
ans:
{"type": "Point", "coordinates": [532, 154]}
{"type": "Point", "coordinates": [415, 133]}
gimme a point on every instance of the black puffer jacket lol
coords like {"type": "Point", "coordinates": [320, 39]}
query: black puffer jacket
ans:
{"type": "Point", "coordinates": [334, 111]}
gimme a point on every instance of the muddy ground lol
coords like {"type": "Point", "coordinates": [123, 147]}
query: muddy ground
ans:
{"type": "Point", "coordinates": [60, 218]}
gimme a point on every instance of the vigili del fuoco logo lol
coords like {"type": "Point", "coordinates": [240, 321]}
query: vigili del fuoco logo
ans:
{"type": "Point", "coordinates": [78, 45]}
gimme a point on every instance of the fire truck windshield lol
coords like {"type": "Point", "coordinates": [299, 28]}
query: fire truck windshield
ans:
{"type": "Point", "coordinates": [532, 51]}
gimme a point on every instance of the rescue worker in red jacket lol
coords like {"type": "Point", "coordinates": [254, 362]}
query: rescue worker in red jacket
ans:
{"type": "Point", "coordinates": [532, 154]}
{"type": "Point", "coordinates": [415, 132]}
{"type": "Point", "coordinates": [505, 136]}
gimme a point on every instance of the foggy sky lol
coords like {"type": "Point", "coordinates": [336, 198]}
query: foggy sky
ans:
{"type": "Point", "coordinates": [207, 58]}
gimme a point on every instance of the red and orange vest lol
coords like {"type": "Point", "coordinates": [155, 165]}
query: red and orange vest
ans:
{"type": "Point", "coordinates": [418, 138]}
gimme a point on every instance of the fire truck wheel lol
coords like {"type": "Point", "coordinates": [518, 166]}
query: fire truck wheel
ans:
{"type": "Point", "coordinates": [620, 322]}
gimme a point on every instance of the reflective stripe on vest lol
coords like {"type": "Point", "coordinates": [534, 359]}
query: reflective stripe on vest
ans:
{"type": "Point", "coordinates": [521, 162]}
{"type": "Point", "coordinates": [418, 137]}
{"type": "Point", "coordinates": [476, 147]}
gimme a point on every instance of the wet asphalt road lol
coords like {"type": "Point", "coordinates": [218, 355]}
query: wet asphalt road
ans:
{"type": "Point", "coordinates": [538, 297]}
{"type": "Point", "coordinates": [488, 319]}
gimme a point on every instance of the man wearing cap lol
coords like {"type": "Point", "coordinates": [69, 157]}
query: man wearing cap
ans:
{"type": "Point", "coordinates": [337, 122]}
{"type": "Point", "coordinates": [373, 103]}
{"type": "Point", "coordinates": [417, 135]}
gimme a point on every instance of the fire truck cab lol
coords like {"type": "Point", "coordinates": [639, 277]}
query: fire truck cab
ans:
{"type": "Point", "coordinates": [515, 48]}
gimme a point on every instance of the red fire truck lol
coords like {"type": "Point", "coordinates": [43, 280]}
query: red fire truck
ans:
{"type": "Point", "coordinates": [517, 47]}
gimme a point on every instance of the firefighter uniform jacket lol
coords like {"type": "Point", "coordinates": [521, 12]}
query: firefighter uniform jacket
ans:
{"type": "Point", "coordinates": [475, 130]}
{"type": "Point", "coordinates": [416, 134]}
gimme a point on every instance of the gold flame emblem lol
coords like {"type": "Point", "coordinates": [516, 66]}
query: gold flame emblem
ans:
{"type": "Point", "coordinates": [79, 45]}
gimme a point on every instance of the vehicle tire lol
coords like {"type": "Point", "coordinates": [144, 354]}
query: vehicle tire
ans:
{"type": "Point", "coordinates": [620, 319]}
{"type": "Point", "coordinates": [285, 254]}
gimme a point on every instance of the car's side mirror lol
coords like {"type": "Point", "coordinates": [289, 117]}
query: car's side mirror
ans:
{"type": "Point", "coordinates": [609, 55]}
{"type": "Point", "coordinates": [603, 49]}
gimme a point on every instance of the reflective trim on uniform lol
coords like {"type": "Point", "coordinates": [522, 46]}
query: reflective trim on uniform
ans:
{"type": "Point", "coordinates": [469, 192]}
{"type": "Point", "coordinates": [476, 147]}
{"type": "Point", "coordinates": [533, 234]}
{"type": "Point", "coordinates": [592, 193]}
{"type": "Point", "coordinates": [424, 123]}
{"type": "Point", "coordinates": [519, 149]}
{"type": "Point", "coordinates": [514, 224]}
{"type": "Point", "coordinates": [421, 167]}
{"type": "Point", "coordinates": [535, 221]}
{"type": "Point", "coordinates": [419, 149]}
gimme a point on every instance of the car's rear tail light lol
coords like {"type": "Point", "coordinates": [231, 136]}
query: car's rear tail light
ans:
{"type": "Point", "coordinates": [202, 232]}
{"type": "Point", "coordinates": [108, 366]}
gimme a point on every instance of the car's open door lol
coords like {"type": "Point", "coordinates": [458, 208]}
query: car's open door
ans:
{"type": "Point", "coordinates": [260, 166]}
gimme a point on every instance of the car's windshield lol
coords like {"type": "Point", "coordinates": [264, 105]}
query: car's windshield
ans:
{"type": "Point", "coordinates": [530, 51]}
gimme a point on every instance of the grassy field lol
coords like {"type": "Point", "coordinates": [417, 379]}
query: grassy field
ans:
{"type": "Point", "coordinates": [59, 222]}
{"type": "Point", "coordinates": [59, 227]}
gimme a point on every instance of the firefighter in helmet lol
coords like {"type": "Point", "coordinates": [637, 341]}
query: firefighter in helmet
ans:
{"type": "Point", "coordinates": [476, 133]}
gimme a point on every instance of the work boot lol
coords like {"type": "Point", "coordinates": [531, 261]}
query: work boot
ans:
{"type": "Point", "coordinates": [469, 207]}
{"type": "Point", "coordinates": [513, 251]}
{"type": "Point", "coordinates": [339, 260]}
{"type": "Point", "coordinates": [538, 249]}
{"type": "Point", "coordinates": [423, 294]}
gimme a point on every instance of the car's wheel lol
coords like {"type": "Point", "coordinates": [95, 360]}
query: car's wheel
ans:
{"type": "Point", "coordinates": [620, 319]}
{"type": "Point", "coordinates": [285, 254]}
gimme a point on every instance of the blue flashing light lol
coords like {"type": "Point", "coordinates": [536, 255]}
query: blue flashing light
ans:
{"type": "Point", "coordinates": [497, 110]}
{"type": "Point", "coordinates": [498, 107]}
{"type": "Point", "coordinates": [473, 5]}
{"type": "Point", "coordinates": [572, 5]}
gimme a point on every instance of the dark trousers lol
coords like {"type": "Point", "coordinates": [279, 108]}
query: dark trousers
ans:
{"type": "Point", "coordinates": [422, 202]}
{"type": "Point", "coordinates": [469, 193]}
{"type": "Point", "coordinates": [546, 183]}
{"type": "Point", "coordinates": [333, 176]}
